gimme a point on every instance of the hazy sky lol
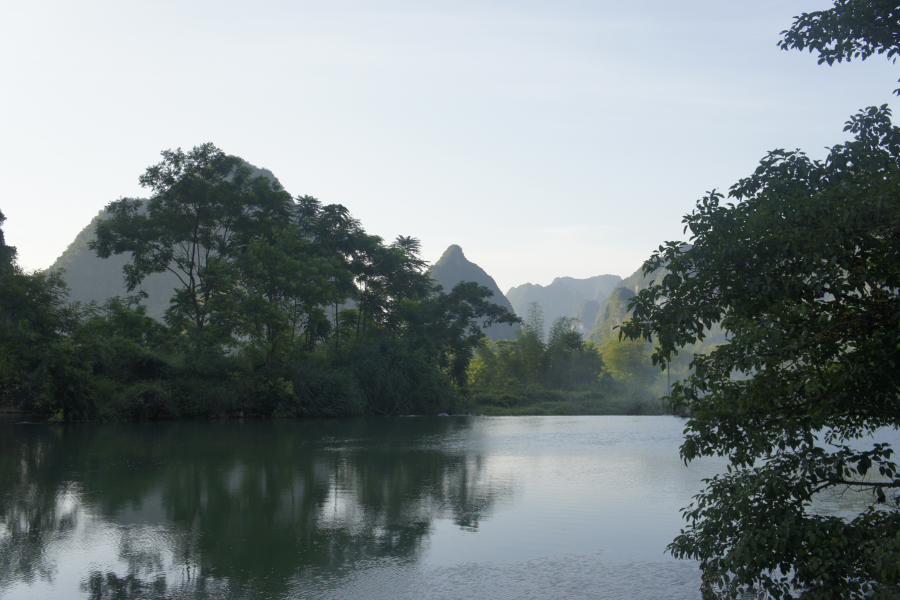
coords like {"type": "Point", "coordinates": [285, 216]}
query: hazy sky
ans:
{"type": "Point", "coordinates": [547, 138]}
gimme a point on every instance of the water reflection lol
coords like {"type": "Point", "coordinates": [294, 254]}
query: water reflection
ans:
{"type": "Point", "coordinates": [230, 510]}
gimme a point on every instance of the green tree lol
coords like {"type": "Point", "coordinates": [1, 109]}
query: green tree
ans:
{"type": "Point", "coordinates": [404, 279]}
{"type": "Point", "coordinates": [447, 327]}
{"type": "Point", "coordinates": [41, 368]}
{"type": "Point", "coordinates": [850, 29]}
{"type": "Point", "coordinates": [284, 280]}
{"type": "Point", "coordinates": [566, 362]}
{"type": "Point", "coordinates": [629, 363]}
{"type": "Point", "coordinates": [803, 271]}
{"type": "Point", "coordinates": [530, 345]}
{"type": "Point", "coordinates": [386, 277]}
{"type": "Point", "coordinates": [338, 236]}
{"type": "Point", "coordinates": [206, 206]}
{"type": "Point", "coordinates": [570, 361]}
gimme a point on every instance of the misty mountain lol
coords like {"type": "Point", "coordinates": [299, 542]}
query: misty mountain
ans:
{"type": "Point", "coordinates": [586, 313]}
{"type": "Point", "coordinates": [614, 308]}
{"type": "Point", "coordinates": [613, 312]}
{"type": "Point", "coordinates": [453, 267]}
{"type": "Point", "coordinates": [565, 297]}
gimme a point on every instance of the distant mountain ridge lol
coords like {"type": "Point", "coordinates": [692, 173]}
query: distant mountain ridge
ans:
{"type": "Point", "coordinates": [565, 297]}
{"type": "Point", "coordinates": [453, 267]}
{"type": "Point", "coordinates": [614, 309]}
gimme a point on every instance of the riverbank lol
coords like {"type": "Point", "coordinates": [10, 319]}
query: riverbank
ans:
{"type": "Point", "coordinates": [537, 401]}
{"type": "Point", "coordinates": [11, 414]}
{"type": "Point", "coordinates": [490, 403]}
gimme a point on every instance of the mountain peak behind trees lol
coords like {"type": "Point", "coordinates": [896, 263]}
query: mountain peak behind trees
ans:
{"type": "Point", "coordinates": [91, 278]}
{"type": "Point", "coordinates": [453, 267]}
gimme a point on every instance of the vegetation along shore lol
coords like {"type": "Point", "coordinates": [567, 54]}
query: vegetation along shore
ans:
{"type": "Point", "coordinates": [221, 295]}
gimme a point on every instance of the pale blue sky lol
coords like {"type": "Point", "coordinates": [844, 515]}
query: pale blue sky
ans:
{"type": "Point", "coordinates": [546, 138]}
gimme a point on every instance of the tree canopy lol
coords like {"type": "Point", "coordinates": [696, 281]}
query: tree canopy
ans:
{"type": "Point", "coordinates": [801, 267]}
{"type": "Point", "coordinates": [205, 206]}
{"type": "Point", "coordinates": [803, 271]}
{"type": "Point", "coordinates": [283, 306]}
{"type": "Point", "coordinates": [848, 30]}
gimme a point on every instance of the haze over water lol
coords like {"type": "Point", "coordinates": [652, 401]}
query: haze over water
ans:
{"type": "Point", "coordinates": [535, 507]}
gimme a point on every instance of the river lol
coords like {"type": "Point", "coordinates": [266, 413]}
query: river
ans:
{"type": "Point", "coordinates": [403, 508]}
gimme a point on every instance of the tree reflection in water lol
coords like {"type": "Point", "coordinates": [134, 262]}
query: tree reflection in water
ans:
{"type": "Point", "coordinates": [231, 509]}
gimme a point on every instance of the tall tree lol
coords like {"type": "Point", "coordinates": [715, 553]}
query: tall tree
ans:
{"type": "Point", "coordinates": [283, 280]}
{"type": "Point", "coordinates": [570, 360]}
{"type": "Point", "coordinates": [530, 344]}
{"type": "Point", "coordinates": [803, 270]}
{"type": "Point", "coordinates": [337, 235]}
{"type": "Point", "coordinates": [449, 326]}
{"type": "Point", "coordinates": [205, 206]}
{"type": "Point", "coordinates": [396, 275]}
{"type": "Point", "coordinates": [40, 368]}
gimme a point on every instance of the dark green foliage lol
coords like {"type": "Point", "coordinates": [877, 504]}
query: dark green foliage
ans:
{"type": "Point", "coordinates": [145, 400]}
{"type": "Point", "coordinates": [802, 270]}
{"type": "Point", "coordinates": [850, 29]}
{"type": "Point", "coordinates": [7, 253]}
{"type": "Point", "coordinates": [384, 372]}
{"type": "Point", "coordinates": [379, 377]}
{"type": "Point", "coordinates": [285, 280]}
{"type": "Point", "coordinates": [40, 367]}
{"type": "Point", "coordinates": [448, 327]}
{"type": "Point", "coordinates": [206, 206]}
{"type": "Point", "coordinates": [94, 279]}
{"type": "Point", "coordinates": [284, 307]}
{"type": "Point", "coordinates": [397, 381]}
{"type": "Point", "coordinates": [322, 392]}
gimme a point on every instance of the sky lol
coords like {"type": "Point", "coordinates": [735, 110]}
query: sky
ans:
{"type": "Point", "coordinates": [546, 138]}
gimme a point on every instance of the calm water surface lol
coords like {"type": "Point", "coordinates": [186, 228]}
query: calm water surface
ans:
{"type": "Point", "coordinates": [408, 508]}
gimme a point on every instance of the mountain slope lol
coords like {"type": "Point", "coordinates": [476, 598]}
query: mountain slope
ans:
{"type": "Point", "coordinates": [614, 310]}
{"type": "Point", "coordinates": [95, 279]}
{"type": "Point", "coordinates": [586, 313]}
{"type": "Point", "coordinates": [453, 267]}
